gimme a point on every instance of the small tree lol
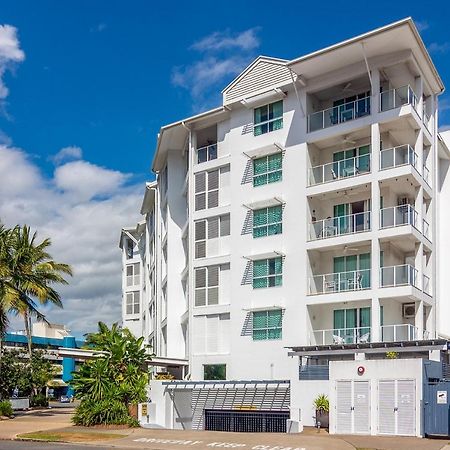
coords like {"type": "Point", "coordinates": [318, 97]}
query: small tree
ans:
{"type": "Point", "coordinates": [115, 380]}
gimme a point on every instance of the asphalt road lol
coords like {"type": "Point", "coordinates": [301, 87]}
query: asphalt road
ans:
{"type": "Point", "coordinates": [21, 445]}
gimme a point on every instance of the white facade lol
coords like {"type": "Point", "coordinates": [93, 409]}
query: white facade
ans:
{"type": "Point", "coordinates": [336, 202]}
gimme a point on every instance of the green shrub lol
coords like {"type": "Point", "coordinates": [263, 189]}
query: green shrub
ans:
{"type": "Point", "coordinates": [6, 408]}
{"type": "Point", "coordinates": [39, 400]}
{"type": "Point", "coordinates": [104, 412]}
{"type": "Point", "coordinates": [321, 403]}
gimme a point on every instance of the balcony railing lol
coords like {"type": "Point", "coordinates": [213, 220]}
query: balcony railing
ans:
{"type": "Point", "coordinates": [426, 229]}
{"type": "Point", "coordinates": [349, 167]}
{"type": "Point", "coordinates": [398, 156]}
{"type": "Point", "coordinates": [206, 153]}
{"type": "Point", "coordinates": [401, 275]}
{"type": "Point", "coordinates": [339, 114]}
{"type": "Point", "coordinates": [394, 98]}
{"type": "Point", "coordinates": [426, 284]}
{"type": "Point", "coordinates": [353, 280]}
{"type": "Point", "coordinates": [339, 336]}
{"type": "Point", "coordinates": [338, 226]}
{"type": "Point", "coordinates": [401, 332]}
{"type": "Point", "coordinates": [398, 215]}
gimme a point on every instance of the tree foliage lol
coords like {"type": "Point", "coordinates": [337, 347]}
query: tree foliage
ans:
{"type": "Point", "coordinates": [116, 379]}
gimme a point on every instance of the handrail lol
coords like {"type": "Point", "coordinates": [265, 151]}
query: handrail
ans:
{"type": "Point", "coordinates": [353, 280]}
{"type": "Point", "coordinates": [394, 98]}
{"type": "Point", "coordinates": [340, 336]}
{"type": "Point", "coordinates": [339, 114]}
{"type": "Point", "coordinates": [400, 275]}
{"type": "Point", "coordinates": [332, 171]}
{"type": "Point", "coordinates": [338, 226]}
{"type": "Point", "coordinates": [394, 216]}
{"type": "Point", "coordinates": [398, 332]}
{"type": "Point", "coordinates": [398, 156]}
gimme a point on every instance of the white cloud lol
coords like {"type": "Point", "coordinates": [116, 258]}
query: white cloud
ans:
{"type": "Point", "coordinates": [222, 55]}
{"type": "Point", "coordinates": [220, 40]}
{"type": "Point", "coordinates": [82, 208]}
{"type": "Point", "coordinates": [83, 181]}
{"type": "Point", "coordinates": [66, 154]}
{"type": "Point", "coordinates": [422, 25]}
{"type": "Point", "coordinates": [436, 47]}
{"type": "Point", "coordinates": [10, 54]}
{"type": "Point", "coordinates": [98, 28]}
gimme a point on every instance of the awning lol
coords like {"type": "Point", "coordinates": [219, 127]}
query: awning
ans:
{"type": "Point", "coordinates": [264, 308]}
{"type": "Point", "coordinates": [264, 151]}
{"type": "Point", "coordinates": [263, 99]}
{"type": "Point", "coordinates": [267, 203]}
{"type": "Point", "coordinates": [267, 255]}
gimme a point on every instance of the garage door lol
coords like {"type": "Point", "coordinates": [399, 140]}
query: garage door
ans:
{"type": "Point", "coordinates": [397, 407]}
{"type": "Point", "coordinates": [352, 407]}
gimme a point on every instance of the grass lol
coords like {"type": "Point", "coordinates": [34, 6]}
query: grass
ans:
{"type": "Point", "coordinates": [68, 436]}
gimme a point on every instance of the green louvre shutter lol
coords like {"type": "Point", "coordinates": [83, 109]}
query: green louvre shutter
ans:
{"type": "Point", "coordinates": [274, 323]}
{"type": "Point", "coordinates": [260, 272]}
{"type": "Point", "coordinates": [274, 220]}
{"type": "Point", "coordinates": [267, 169]}
{"type": "Point", "coordinates": [274, 163]}
{"type": "Point", "coordinates": [260, 171]}
{"type": "Point", "coordinates": [267, 221]}
{"type": "Point", "coordinates": [260, 219]}
{"type": "Point", "coordinates": [260, 325]}
{"type": "Point", "coordinates": [275, 265]}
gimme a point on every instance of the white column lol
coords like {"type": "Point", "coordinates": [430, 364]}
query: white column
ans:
{"type": "Point", "coordinates": [418, 90]}
{"type": "Point", "coordinates": [418, 149]}
{"type": "Point", "coordinates": [418, 263]}
{"type": "Point", "coordinates": [419, 319]}
{"type": "Point", "coordinates": [375, 221]}
{"type": "Point", "coordinates": [419, 207]}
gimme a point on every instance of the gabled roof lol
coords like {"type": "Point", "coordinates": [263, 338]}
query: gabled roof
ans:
{"type": "Point", "coordinates": [263, 74]}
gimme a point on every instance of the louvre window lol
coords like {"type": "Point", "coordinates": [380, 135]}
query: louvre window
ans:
{"type": "Point", "coordinates": [268, 118]}
{"type": "Point", "coordinates": [267, 272]}
{"type": "Point", "coordinates": [267, 324]}
{"type": "Point", "coordinates": [267, 221]}
{"type": "Point", "coordinates": [133, 274]}
{"type": "Point", "coordinates": [207, 286]}
{"type": "Point", "coordinates": [207, 190]}
{"type": "Point", "coordinates": [267, 169]}
{"type": "Point", "coordinates": [132, 304]}
{"type": "Point", "coordinates": [211, 228]}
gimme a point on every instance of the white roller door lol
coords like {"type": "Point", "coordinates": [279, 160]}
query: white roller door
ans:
{"type": "Point", "coordinates": [352, 407]}
{"type": "Point", "coordinates": [397, 407]}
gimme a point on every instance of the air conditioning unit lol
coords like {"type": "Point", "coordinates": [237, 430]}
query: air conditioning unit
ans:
{"type": "Point", "coordinates": [409, 310]}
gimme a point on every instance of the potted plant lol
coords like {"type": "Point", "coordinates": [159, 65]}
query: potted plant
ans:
{"type": "Point", "coordinates": [322, 405]}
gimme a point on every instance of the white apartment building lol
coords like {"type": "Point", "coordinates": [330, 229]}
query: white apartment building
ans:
{"type": "Point", "coordinates": [307, 212]}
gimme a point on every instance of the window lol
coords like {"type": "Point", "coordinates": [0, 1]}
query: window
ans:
{"type": "Point", "coordinates": [267, 169]}
{"type": "Point", "coordinates": [215, 372]}
{"type": "Point", "coordinates": [129, 250]}
{"type": "Point", "coordinates": [207, 285]}
{"type": "Point", "coordinates": [132, 306]}
{"type": "Point", "coordinates": [211, 228]}
{"type": "Point", "coordinates": [206, 190]}
{"type": "Point", "coordinates": [267, 325]}
{"type": "Point", "coordinates": [207, 153]}
{"type": "Point", "coordinates": [133, 277]}
{"type": "Point", "coordinates": [267, 221]}
{"type": "Point", "coordinates": [268, 118]}
{"type": "Point", "coordinates": [267, 273]}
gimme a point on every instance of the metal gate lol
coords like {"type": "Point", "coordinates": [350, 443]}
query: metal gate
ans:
{"type": "Point", "coordinates": [246, 421]}
{"type": "Point", "coordinates": [436, 409]}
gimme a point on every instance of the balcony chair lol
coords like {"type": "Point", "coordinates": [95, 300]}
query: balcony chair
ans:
{"type": "Point", "coordinates": [355, 284]}
{"type": "Point", "coordinates": [338, 340]}
{"type": "Point", "coordinates": [330, 285]}
{"type": "Point", "coordinates": [364, 339]}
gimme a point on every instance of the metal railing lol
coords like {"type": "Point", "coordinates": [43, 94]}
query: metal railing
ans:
{"type": "Point", "coordinates": [394, 98]}
{"type": "Point", "coordinates": [339, 114]}
{"type": "Point", "coordinates": [338, 226]}
{"type": "Point", "coordinates": [426, 174]}
{"type": "Point", "coordinates": [314, 372]}
{"type": "Point", "coordinates": [353, 280]}
{"type": "Point", "coordinates": [426, 284]}
{"type": "Point", "coordinates": [426, 229]}
{"type": "Point", "coordinates": [338, 336]}
{"type": "Point", "coordinates": [401, 332]}
{"type": "Point", "coordinates": [395, 216]}
{"type": "Point", "coordinates": [349, 167]}
{"type": "Point", "coordinates": [401, 275]}
{"type": "Point", "coordinates": [206, 153]}
{"type": "Point", "coordinates": [398, 156]}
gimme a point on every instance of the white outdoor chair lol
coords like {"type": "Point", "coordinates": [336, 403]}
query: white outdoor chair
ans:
{"type": "Point", "coordinates": [364, 339]}
{"type": "Point", "coordinates": [338, 340]}
{"type": "Point", "coordinates": [355, 283]}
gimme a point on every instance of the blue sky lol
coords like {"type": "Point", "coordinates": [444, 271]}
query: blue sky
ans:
{"type": "Point", "coordinates": [91, 82]}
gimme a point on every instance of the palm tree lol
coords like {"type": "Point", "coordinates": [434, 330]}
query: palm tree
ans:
{"type": "Point", "coordinates": [32, 272]}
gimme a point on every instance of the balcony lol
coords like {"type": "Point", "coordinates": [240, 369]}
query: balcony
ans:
{"type": "Point", "coordinates": [362, 335]}
{"type": "Point", "coordinates": [426, 175]}
{"type": "Point", "coordinates": [339, 226]}
{"type": "Point", "coordinates": [394, 98]}
{"type": "Point", "coordinates": [397, 216]}
{"type": "Point", "coordinates": [402, 275]}
{"type": "Point", "coordinates": [426, 229]}
{"type": "Point", "coordinates": [426, 285]}
{"type": "Point", "coordinates": [333, 171]}
{"type": "Point", "coordinates": [353, 280]}
{"type": "Point", "coordinates": [339, 114]}
{"type": "Point", "coordinates": [206, 153]}
{"type": "Point", "coordinates": [398, 156]}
